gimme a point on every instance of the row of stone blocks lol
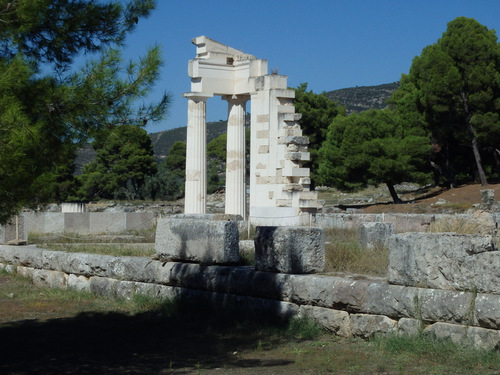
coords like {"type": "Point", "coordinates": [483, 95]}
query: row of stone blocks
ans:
{"type": "Point", "coordinates": [345, 306]}
{"type": "Point", "coordinates": [214, 239]}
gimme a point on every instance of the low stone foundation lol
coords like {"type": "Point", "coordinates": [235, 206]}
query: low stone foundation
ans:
{"type": "Point", "coordinates": [345, 306]}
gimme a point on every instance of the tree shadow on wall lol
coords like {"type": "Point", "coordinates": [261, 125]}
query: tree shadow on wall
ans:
{"type": "Point", "coordinates": [174, 338]}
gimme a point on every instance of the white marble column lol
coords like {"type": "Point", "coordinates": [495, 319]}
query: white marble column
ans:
{"type": "Point", "coordinates": [196, 154]}
{"type": "Point", "coordinates": [236, 158]}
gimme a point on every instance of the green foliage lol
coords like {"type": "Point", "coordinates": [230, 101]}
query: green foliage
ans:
{"type": "Point", "coordinates": [372, 148]}
{"type": "Point", "coordinates": [454, 85]}
{"type": "Point", "coordinates": [317, 113]}
{"type": "Point", "coordinates": [46, 109]}
{"type": "Point", "coordinates": [124, 160]}
{"type": "Point", "coordinates": [303, 328]}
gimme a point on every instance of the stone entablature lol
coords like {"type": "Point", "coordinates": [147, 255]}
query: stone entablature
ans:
{"type": "Point", "coordinates": [279, 185]}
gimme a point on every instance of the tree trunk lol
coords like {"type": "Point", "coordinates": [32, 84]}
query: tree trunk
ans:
{"type": "Point", "coordinates": [475, 148]}
{"type": "Point", "coordinates": [394, 195]}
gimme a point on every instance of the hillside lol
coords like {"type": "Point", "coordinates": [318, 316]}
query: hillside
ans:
{"type": "Point", "coordinates": [357, 99]}
{"type": "Point", "coordinates": [163, 141]}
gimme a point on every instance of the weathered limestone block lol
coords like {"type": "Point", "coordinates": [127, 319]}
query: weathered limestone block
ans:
{"type": "Point", "coordinates": [373, 235]}
{"type": "Point", "coordinates": [350, 294]}
{"type": "Point", "coordinates": [103, 286]}
{"type": "Point", "coordinates": [364, 325]}
{"type": "Point", "coordinates": [444, 261]}
{"type": "Point", "coordinates": [259, 284]}
{"type": "Point", "coordinates": [133, 268]}
{"type": "Point", "coordinates": [29, 256]}
{"type": "Point", "coordinates": [409, 327]}
{"type": "Point", "coordinates": [488, 201]}
{"type": "Point", "coordinates": [446, 306]}
{"type": "Point", "coordinates": [197, 240]}
{"type": "Point", "coordinates": [79, 283]}
{"type": "Point", "coordinates": [51, 279]}
{"type": "Point", "coordinates": [394, 301]}
{"type": "Point", "coordinates": [289, 249]}
{"type": "Point", "coordinates": [312, 290]}
{"type": "Point", "coordinates": [125, 289]}
{"type": "Point", "coordinates": [234, 280]}
{"type": "Point", "coordinates": [481, 338]}
{"type": "Point", "coordinates": [334, 321]}
{"type": "Point", "coordinates": [87, 264]}
{"type": "Point", "coordinates": [487, 310]}
{"type": "Point", "coordinates": [22, 271]}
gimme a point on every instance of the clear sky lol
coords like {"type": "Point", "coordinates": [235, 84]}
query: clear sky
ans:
{"type": "Point", "coordinates": [330, 44]}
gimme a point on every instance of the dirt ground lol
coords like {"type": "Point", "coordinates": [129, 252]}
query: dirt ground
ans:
{"type": "Point", "coordinates": [438, 200]}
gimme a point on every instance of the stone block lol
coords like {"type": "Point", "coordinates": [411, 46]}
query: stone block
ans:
{"type": "Point", "coordinates": [409, 327]}
{"type": "Point", "coordinates": [51, 279]}
{"type": "Point", "coordinates": [488, 201]}
{"type": "Point", "coordinates": [196, 239]}
{"type": "Point", "coordinates": [334, 321]}
{"type": "Point", "coordinates": [391, 300]}
{"type": "Point", "coordinates": [446, 306]}
{"type": "Point", "coordinates": [79, 283]}
{"type": "Point", "coordinates": [289, 249]}
{"type": "Point", "coordinates": [365, 326]}
{"type": "Point", "coordinates": [374, 235]}
{"type": "Point", "coordinates": [107, 222]}
{"type": "Point", "coordinates": [487, 310]}
{"type": "Point", "coordinates": [444, 261]}
{"type": "Point", "coordinates": [481, 338]}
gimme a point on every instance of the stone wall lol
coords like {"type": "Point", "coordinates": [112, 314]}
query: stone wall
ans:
{"type": "Point", "coordinates": [402, 222]}
{"type": "Point", "coordinates": [88, 222]}
{"type": "Point", "coordinates": [345, 306]}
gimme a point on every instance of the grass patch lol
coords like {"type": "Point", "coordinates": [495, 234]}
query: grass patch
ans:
{"type": "Point", "coordinates": [132, 236]}
{"type": "Point", "coordinates": [463, 224]}
{"type": "Point", "coordinates": [59, 331]}
{"type": "Point", "coordinates": [441, 352]}
{"type": "Point", "coordinates": [126, 249]}
{"type": "Point", "coordinates": [343, 254]}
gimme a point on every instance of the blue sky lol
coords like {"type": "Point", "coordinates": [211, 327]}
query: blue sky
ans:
{"type": "Point", "coordinates": [328, 44]}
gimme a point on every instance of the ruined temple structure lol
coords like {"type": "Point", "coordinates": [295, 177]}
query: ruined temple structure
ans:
{"type": "Point", "coordinates": [279, 185]}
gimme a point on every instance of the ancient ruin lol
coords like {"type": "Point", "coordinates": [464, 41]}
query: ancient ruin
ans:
{"type": "Point", "coordinates": [279, 186]}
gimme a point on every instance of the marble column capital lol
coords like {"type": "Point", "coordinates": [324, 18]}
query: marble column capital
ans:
{"type": "Point", "coordinates": [197, 96]}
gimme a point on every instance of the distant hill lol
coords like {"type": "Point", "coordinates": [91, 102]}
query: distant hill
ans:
{"type": "Point", "coordinates": [357, 99]}
{"type": "Point", "coordinates": [163, 141]}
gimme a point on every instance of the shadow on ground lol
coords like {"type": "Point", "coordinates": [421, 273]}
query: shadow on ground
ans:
{"type": "Point", "coordinates": [146, 343]}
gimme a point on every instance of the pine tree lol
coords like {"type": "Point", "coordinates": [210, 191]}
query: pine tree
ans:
{"type": "Point", "coordinates": [46, 108]}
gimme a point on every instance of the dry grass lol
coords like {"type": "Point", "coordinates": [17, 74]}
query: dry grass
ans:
{"type": "Point", "coordinates": [343, 254]}
{"type": "Point", "coordinates": [477, 222]}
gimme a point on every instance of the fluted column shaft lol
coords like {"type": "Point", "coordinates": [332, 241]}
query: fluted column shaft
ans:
{"type": "Point", "coordinates": [236, 156]}
{"type": "Point", "coordinates": [196, 155]}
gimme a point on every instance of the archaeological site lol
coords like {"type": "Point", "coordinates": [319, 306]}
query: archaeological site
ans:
{"type": "Point", "coordinates": [442, 284]}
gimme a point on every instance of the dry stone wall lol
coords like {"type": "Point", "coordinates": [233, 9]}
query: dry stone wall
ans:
{"type": "Point", "coordinates": [345, 306]}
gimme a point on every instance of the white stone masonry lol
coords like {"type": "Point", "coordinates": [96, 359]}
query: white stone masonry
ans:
{"type": "Point", "coordinates": [279, 185]}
